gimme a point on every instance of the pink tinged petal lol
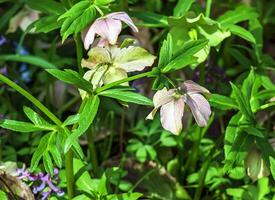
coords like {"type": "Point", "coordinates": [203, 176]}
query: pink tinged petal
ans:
{"type": "Point", "coordinates": [160, 98]}
{"type": "Point", "coordinates": [90, 36]}
{"type": "Point", "coordinates": [171, 116]}
{"type": "Point", "coordinates": [192, 87]}
{"type": "Point", "coordinates": [109, 29]}
{"type": "Point", "coordinates": [122, 16]}
{"type": "Point", "coordinates": [200, 108]}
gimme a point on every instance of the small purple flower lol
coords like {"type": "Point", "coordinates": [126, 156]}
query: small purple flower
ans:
{"type": "Point", "coordinates": [108, 28]}
{"type": "Point", "coordinates": [46, 186]}
{"type": "Point", "coordinates": [3, 40]}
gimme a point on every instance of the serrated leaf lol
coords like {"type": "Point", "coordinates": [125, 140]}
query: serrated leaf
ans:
{"type": "Point", "coordinates": [39, 151]}
{"type": "Point", "coordinates": [56, 155]}
{"type": "Point", "coordinates": [182, 7]}
{"type": "Point", "coordinates": [185, 56]}
{"type": "Point", "coordinates": [72, 77]}
{"type": "Point", "coordinates": [36, 118]}
{"type": "Point", "coordinates": [243, 102]}
{"type": "Point", "coordinates": [47, 24]}
{"type": "Point", "coordinates": [222, 102]}
{"type": "Point", "coordinates": [47, 6]}
{"type": "Point", "coordinates": [85, 120]}
{"type": "Point", "coordinates": [127, 96]}
{"type": "Point", "coordinates": [19, 126]}
{"type": "Point", "coordinates": [241, 32]}
{"type": "Point", "coordinates": [47, 162]}
{"type": "Point", "coordinates": [241, 13]}
{"type": "Point", "coordinates": [72, 119]}
{"type": "Point", "coordinates": [77, 18]}
{"type": "Point", "coordinates": [166, 51]}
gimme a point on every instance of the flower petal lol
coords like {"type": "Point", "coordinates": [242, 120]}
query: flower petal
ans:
{"type": "Point", "coordinates": [109, 29]}
{"type": "Point", "coordinates": [171, 116]}
{"type": "Point", "coordinates": [192, 87]}
{"type": "Point", "coordinates": [115, 74]}
{"type": "Point", "coordinates": [97, 55]}
{"type": "Point", "coordinates": [200, 108]}
{"type": "Point", "coordinates": [90, 36]}
{"type": "Point", "coordinates": [132, 58]}
{"type": "Point", "coordinates": [122, 16]}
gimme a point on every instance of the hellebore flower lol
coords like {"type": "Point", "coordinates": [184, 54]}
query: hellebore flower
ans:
{"type": "Point", "coordinates": [255, 164]}
{"type": "Point", "coordinates": [108, 28]}
{"type": "Point", "coordinates": [109, 64]}
{"type": "Point", "coordinates": [23, 19]}
{"type": "Point", "coordinates": [171, 103]}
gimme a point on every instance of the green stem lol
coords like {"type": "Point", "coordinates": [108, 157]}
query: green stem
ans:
{"type": "Point", "coordinates": [69, 173]}
{"type": "Point", "coordinates": [205, 167]}
{"type": "Point", "coordinates": [31, 98]}
{"type": "Point", "coordinates": [92, 150]}
{"type": "Point", "coordinates": [138, 76]}
{"type": "Point", "coordinates": [208, 8]}
{"type": "Point", "coordinates": [48, 113]}
{"type": "Point", "coordinates": [79, 52]}
{"type": "Point", "coordinates": [142, 179]}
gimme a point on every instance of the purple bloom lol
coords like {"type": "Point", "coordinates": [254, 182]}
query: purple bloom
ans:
{"type": "Point", "coordinates": [46, 186]}
{"type": "Point", "coordinates": [3, 40]}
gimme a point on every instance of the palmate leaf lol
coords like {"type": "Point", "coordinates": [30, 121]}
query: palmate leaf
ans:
{"type": "Point", "coordinates": [77, 18]}
{"type": "Point", "coordinates": [47, 24]}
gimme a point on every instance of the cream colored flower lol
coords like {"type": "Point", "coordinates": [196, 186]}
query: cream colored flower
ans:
{"type": "Point", "coordinates": [171, 103]}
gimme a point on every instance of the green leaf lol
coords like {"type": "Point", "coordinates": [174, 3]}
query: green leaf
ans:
{"type": "Point", "coordinates": [72, 77]}
{"type": "Point", "coordinates": [240, 57]}
{"type": "Point", "coordinates": [33, 60]}
{"type": "Point", "coordinates": [124, 196]}
{"type": "Point", "coordinates": [253, 131]}
{"type": "Point", "coordinates": [72, 119]}
{"type": "Point", "coordinates": [47, 24]}
{"type": "Point", "coordinates": [56, 155]}
{"type": "Point", "coordinates": [256, 29]}
{"type": "Point", "coordinates": [182, 7]}
{"type": "Point", "coordinates": [47, 6]}
{"type": "Point", "coordinates": [242, 101]}
{"type": "Point", "coordinates": [272, 166]}
{"type": "Point", "coordinates": [77, 18]}
{"type": "Point", "coordinates": [141, 154]}
{"type": "Point", "coordinates": [39, 151]}
{"type": "Point", "coordinates": [19, 126]}
{"type": "Point", "coordinates": [85, 120]}
{"type": "Point", "coordinates": [222, 102]}
{"type": "Point", "coordinates": [240, 147]}
{"type": "Point", "coordinates": [47, 162]}
{"type": "Point", "coordinates": [241, 13]}
{"type": "Point", "coordinates": [231, 132]}
{"type": "Point", "coordinates": [127, 96]}
{"type": "Point", "coordinates": [36, 118]}
{"type": "Point", "coordinates": [167, 139]}
{"type": "Point", "coordinates": [241, 32]}
{"type": "Point", "coordinates": [150, 19]}
{"type": "Point", "coordinates": [166, 51]}
{"type": "Point", "coordinates": [185, 56]}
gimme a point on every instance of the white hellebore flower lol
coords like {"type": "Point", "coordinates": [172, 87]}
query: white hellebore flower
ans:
{"type": "Point", "coordinates": [23, 19]}
{"type": "Point", "coordinates": [171, 103]}
{"type": "Point", "coordinates": [109, 64]}
{"type": "Point", "coordinates": [108, 28]}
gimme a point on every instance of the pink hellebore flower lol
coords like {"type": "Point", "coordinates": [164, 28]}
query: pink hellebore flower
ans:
{"type": "Point", "coordinates": [108, 28]}
{"type": "Point", "coordinates": [171, 103]}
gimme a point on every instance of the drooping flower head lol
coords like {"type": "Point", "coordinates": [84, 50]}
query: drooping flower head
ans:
{"type": "Point", "coordinates": [109, 64]}
{"type": "Point", "coordinates": [171, 103]}
{"type": "Point", "coordinates": [108, 28]}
